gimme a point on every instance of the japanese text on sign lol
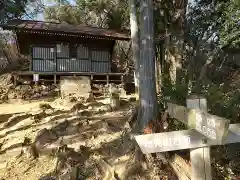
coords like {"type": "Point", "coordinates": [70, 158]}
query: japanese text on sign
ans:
{"type": "Point", "coordinates": [206, 129]}
{"type": "Point", "coordinates": [166, 142]}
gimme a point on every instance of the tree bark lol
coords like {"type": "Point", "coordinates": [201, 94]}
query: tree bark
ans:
{"type": "Point", "coordinates": [147, 84]}
{"type": "Point", "coordinates": [158, 68]}
{"type": "Point", "coordinates": [135, 42]}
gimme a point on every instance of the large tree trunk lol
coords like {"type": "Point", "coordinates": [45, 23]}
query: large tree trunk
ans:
{"type": "Point", "coordinates": [135, 42]}
{"type": "Point", "coordinates": [147, 85]}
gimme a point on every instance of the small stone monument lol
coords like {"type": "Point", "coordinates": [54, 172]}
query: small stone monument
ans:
{"type": "Point", "coordinates": [114, 96]}
{"type": "Point", "coordinates": [78, 86]}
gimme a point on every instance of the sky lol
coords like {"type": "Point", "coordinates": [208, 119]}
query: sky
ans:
{"type": "Point", "coordinates": [40, 17]}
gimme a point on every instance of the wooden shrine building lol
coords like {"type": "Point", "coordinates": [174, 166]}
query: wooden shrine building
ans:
{"type": "Point", "coordinates": [55, 49]}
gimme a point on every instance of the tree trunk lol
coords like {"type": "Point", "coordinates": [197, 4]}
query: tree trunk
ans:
{"type": "Point", "coordinates": [135, 42]}
{"type": "Point", "coordinates": [147, 85]}
{"type": "Point", "coordinates": [158, 67]}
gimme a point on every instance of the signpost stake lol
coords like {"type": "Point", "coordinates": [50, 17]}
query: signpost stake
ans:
{"type": "Point", "coordinates": [204, 131]}
{"type": "Point", "coordinates": [200, 157]}
{"type": "Point", "coordinates": [36, 78]}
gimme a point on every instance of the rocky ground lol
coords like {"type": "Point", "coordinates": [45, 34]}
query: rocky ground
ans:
{"type": "Point", "coordinates": [66, 139]}
{"type": "Point", "coordinates": [44, 137]}
{"type": "Point", "coordinates": [63, 142]}
{"type": "Point", "coordinates": [27, 92]}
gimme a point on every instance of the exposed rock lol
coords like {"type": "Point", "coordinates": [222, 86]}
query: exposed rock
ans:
{"type": "Point", "coordinates": [90, 107]}
{"type": "Point", "coordinates": [73, 99]}
{"type": "Point", "coordinates": [123, 103]}
{"type": "Point", "coordinates": [95, 105]}
{"type": "Point", "coordinates": [27, 91]}
{"type": "Point", "coordinates": [25, 88]}
{"type": "Point", "coordinates": [47, 178]}
{"type": "Point", "coordinates": [89, 122]}
{"type": "Point", "coordinates": [102, 126]}
{"type": "Point", "coordinates": [86, 113]}
{"type": "Point", "coordinates": [78, 106]}
{"type": "Point", "coordinates": [30, 152]}
{"type": "Point", "coordinates": [26, 141]}
{"type": "Point", "coordinates": [84, 123]}
{"type": "Point", "coordinates": [43, 137]}
{"type": "Point", "coordinates": [45, 106]}
{"type": "Point", "coordinates": [87, 135]}
{"type": "Point", "coordinates": [36, 96]}
{"type": "Point", "coordinates": [60, 129]}
{"type": "Point", "coordinates": [106, 169]}
{"type": "Point", "coordinates": [122, 92]}
{"type": "Point", "coordinates": [12, 96]}
{"type": "Point", "coordinates": [39, 116]}
{"type": "Point", "coordinates": [6, 79]}
{"type": "Point", "coordinates": [105, 108]}
{"type": "Point", "coordinates": [16, 152]}
{"type": "Point", "coordinates": [68, 159]}
{"type": "Point", "coordinates": [113, 89]}
{"type": "Point", "coordinates": [43, 87]}
{"type": "Point", "coordinates": [72, 129]}
{"type": "Point", "coordinates": [4, 97]}
{"type": "Point", "coordinates": [132, 99]}
{"type": "Point", "coordinates": [114, 101]}
{"type": "Point", "coordinates": [68, 173]}
{"type": "Point", "coordinates": [49, 111]}
{"type": "Point", "coordinates": [16, 119]}
{"type": "Point", "coordinates": [90, 98]}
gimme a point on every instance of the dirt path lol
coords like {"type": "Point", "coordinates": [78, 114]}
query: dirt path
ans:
{"type": "Point", "coordinates": [19, 107]}
{"type": "Point", "coordinates": [67, 141]}
{"type": "Point", "coordinates": [86, 142]}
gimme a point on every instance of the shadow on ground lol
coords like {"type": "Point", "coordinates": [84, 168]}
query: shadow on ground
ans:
{"type": "Point", "coordinates": [74, 138]}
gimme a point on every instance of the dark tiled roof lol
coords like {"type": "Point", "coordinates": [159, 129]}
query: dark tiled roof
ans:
{"type": "Point", "coordinates": [41, 26]}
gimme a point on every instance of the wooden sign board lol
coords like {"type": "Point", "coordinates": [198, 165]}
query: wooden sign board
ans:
{"type": "Point", "coordinates": [211, 126]}
{"type": "Point", "coordinates": [178, 140]}
{"type": "Point", "coordinates": [35, 77]}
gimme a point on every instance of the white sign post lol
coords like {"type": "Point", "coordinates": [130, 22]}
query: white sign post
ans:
{"type": "Point", "coordinates": [179, 140]}
{"type": "Point", "coordinates": [200, 157]}
{"type": "Point", "coordinates": [35, 77]}
{"type": "Point", "coordinates": [205, 130]}
{"type": "Point", "coordinates": [213, 127]}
